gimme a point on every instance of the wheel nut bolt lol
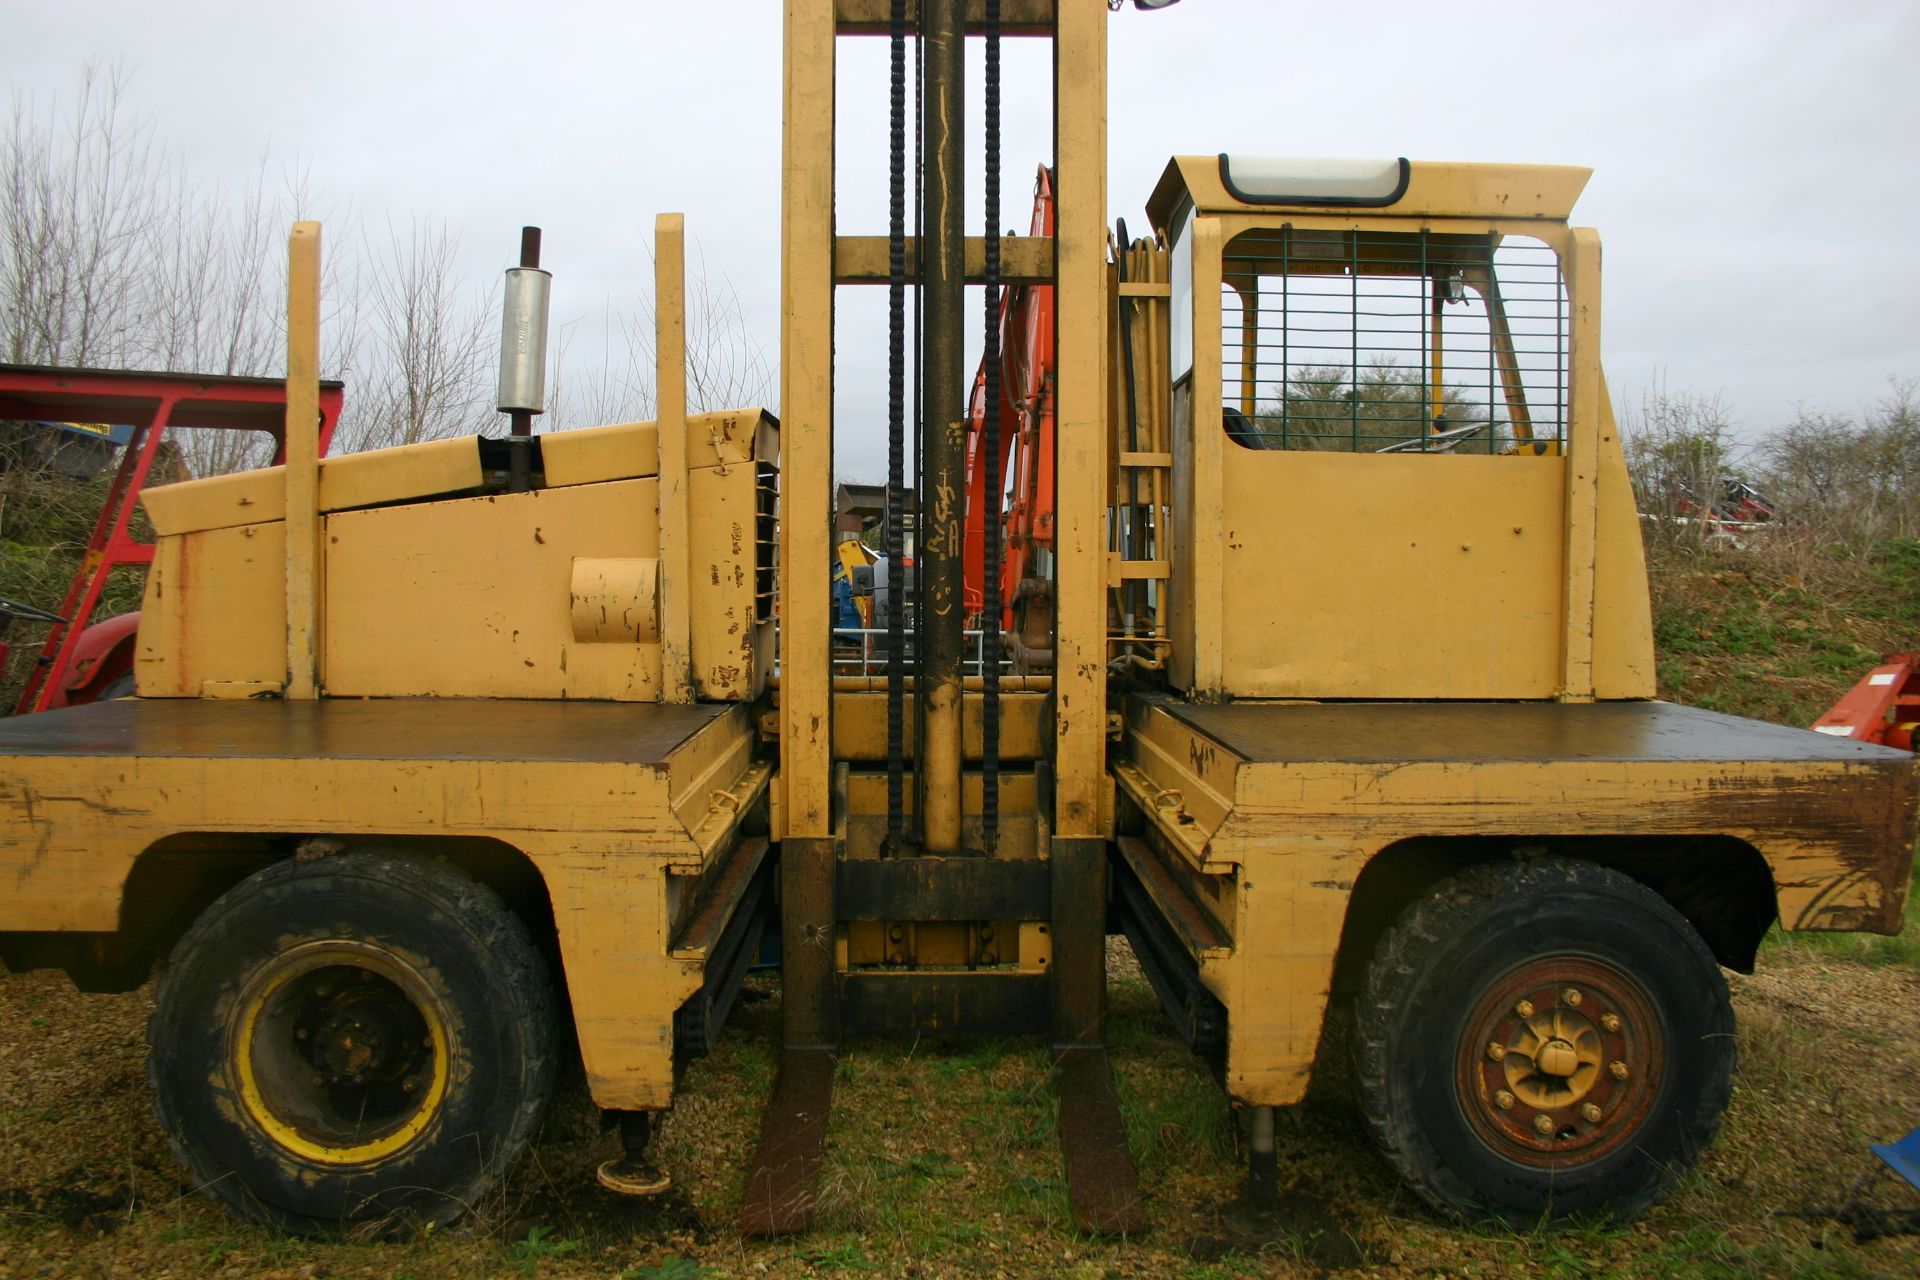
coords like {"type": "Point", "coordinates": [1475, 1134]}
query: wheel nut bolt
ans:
{"type": "Point", "coordinates": [301, 1034]}
{"type": "Point", "coordinates": [320, 992]}
{"type": "Point", "coordinates": [1496, 1051]}
{"type": "Point", "coordinates": [1543, 1125]}
{"type": "Point", "coordinates": [1503, 1100]}
{"type": "Point", "coordinates": [1571, 997]}
{"type": "Point", "coordinates": [1609, 1022]}
{"type": "Point", "coordinates": [1524, 1008]}
{"type": "Point", "coordinates": [1619, 1069]}
{"type": "Point", "coordinates": [1590, 1113]}
{"type": "Point", "coordinates": [407, 1086]}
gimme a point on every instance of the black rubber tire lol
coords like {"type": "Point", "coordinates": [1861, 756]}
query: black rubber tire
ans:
{"type": "Point", "coordinates": [121, 686]}
{"type": "Point", "coordinates": [440, 931]}
{"type": "Point", "coordinates": [1446, 955]}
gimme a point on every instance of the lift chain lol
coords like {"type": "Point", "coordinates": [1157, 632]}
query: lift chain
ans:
{"type": "Point", "coordinates": [896, 431]}
{"type": "Point", "coordinates": [990, 520]}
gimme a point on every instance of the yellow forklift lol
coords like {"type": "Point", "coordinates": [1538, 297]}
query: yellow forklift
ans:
{"type": "Point", "coordinates": [1351, 696]}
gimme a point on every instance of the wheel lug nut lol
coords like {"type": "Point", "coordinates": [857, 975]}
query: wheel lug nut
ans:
{"type": "Point", "coordinates": [1618, 1068]}
{"type": "Point", "coordinates": [1609, 1022]}
{"type": "Point", "coordinates": [1543, 1125]}
{"type": "Point", "coordinates": [1496, 1051]}
{"type": "Point", "coordinates": [1503, 1100]}
{"type": "Point", "coordinates": [1571, 997]}
{"type": "Point", "coordinates": [1590, 1113]}
{"type": "Point", "coordinates": [300, 1034]}
{"type": "Point", "coordinates": [407, 1086]}
{"type": "Point", "coordinates": [321, 992]}
{"type": "Point", "coordinates": [1524, 1008]}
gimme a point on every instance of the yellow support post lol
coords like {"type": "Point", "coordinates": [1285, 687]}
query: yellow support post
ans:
{"type": "Point", "coordinates": [1206, 564]}
{"type": "Point", "coordinates": [806, 409]}
{"type": "Point", "coordinates": [1080, 670]}
{"type": "Point", "coordinates": [1583, 467]}
{"type": "Point", "coordinates": [303, 461]}
{"type": "Point", "coordinates": [670, 385]}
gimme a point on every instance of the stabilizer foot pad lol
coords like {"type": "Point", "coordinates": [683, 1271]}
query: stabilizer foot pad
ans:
{"type": "Point", "coordinates": [784, 1187]}
{"type": "Point", "coordinates": [1103, 1188]}
{"type": "Point", "coordinates": [626, 1178]}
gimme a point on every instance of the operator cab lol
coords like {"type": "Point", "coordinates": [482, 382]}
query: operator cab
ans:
{"type": "Point", "coordinates": [1394, 351]}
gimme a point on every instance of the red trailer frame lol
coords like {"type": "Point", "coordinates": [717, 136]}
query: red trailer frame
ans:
{"type": "Point", "coordinates": [77, 660]}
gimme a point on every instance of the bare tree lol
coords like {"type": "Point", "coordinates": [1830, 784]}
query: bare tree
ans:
{"type": "Point", "coordinates": [426, 363]}
{"type": "Point", "coordinates": [727, 368]}
{"type": "Point", "coordinates": [78, 198]}
{"type": "Point", "coordinates": [1680, 455]}
{"type": "Point", "coordinates": [1851, 477]}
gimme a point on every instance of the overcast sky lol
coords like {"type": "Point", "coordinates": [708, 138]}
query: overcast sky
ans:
{"type": "Point", "coordinates": [1755, 163]}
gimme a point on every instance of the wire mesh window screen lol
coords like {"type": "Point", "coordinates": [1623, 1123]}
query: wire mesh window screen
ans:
{"type": "Point", "coordinates": [1393, 342]}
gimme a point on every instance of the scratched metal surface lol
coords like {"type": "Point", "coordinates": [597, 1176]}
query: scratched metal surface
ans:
{"type": "Point", "coordinates": [373, 729]}
{"type": "Point", "coordinates": [1376, 732]}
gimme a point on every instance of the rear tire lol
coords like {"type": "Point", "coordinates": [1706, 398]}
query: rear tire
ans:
{"type": "Point", "coordinates": [1543, 1039]}
{"type": "Point", "coordinates": [359, 1039]}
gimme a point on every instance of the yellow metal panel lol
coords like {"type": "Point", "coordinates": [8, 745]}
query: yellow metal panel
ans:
{"type": "Point", "coordinates": [350, 480]}
{"type": "Point", "coordinates": [603, 834]}
{"type": "Point", "coordinates": [422, 470]}
{"type": "Point", "coordinates": [587, 455]}
{"type": "Point", "coordinates": [214, 610]}
{"type": "Point", "coordinates": [1017, 17]}
{"type": "Point", "coordinates": [217, 502]}
{"type": "Point", "coordinates": [472, 597]}
{"type": "Point", "coordinates": [1080, 645]}
{"type": "Point", "coordinates": [860, 725]}
{"type": "Point", "coordinates": [806, 405]}
{"type": "Point", "coordinates": [303, 567]}
{"type": "Point", "coordinates": [1623, 665]}
{"type": "Point", "coordinates": [731, 652]}
{"type": "Point", "coordinates": [1023, 259]}
{"type": "Point", "coordinates": [1391, 575]}
{"type": "Point", "coordinates": [1331, 788]}
{"type": "Point", "coordinates": [670, 387]}
{"type": "Point", "coordinates": [623, 450]}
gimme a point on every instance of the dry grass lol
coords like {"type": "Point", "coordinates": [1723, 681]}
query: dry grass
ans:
{"type": "Point", "coordinates": [942, 1162]}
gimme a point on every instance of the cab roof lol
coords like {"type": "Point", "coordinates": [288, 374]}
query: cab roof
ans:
{"type": "Point", "coordinates": [1393, 188]}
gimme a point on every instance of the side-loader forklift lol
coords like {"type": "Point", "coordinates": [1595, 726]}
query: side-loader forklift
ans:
{"type": "Point", "coordinates": [1350, 695]}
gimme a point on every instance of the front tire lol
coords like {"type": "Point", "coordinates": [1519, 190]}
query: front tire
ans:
{"type": "Point", "coordinates": [363, 1038]}
{"type": "Point", "coordinates": [1542, 1039]}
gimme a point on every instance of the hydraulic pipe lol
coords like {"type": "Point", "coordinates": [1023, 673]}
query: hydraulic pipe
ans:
{"type": "Point", "coordinates": [941, 483]}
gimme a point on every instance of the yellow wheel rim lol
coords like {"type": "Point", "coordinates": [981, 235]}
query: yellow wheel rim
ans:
{"type": "Point", "coordinates": [341, 1053]}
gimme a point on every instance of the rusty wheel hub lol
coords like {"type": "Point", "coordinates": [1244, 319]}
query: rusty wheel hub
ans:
{"type": "Point", "coordinates": [1560, 1061]}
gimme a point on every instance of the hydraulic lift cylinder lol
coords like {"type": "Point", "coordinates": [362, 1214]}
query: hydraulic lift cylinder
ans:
{"type": "Point", "coordinates": [942, 484]}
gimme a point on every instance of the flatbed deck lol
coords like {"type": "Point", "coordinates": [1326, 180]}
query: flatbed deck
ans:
{"type": "Point", "coordinates": [363, 729]}
{"type": "Point", "coordinates": [1235, 781]}
{"type": "Point", "coordinates": [1485, 732]}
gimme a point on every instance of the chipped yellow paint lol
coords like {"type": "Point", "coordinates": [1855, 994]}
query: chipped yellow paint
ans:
{"type": "Point", "coordinates": [609, 838]}
{"type": "Point", "coordinates": [1291, 836]}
